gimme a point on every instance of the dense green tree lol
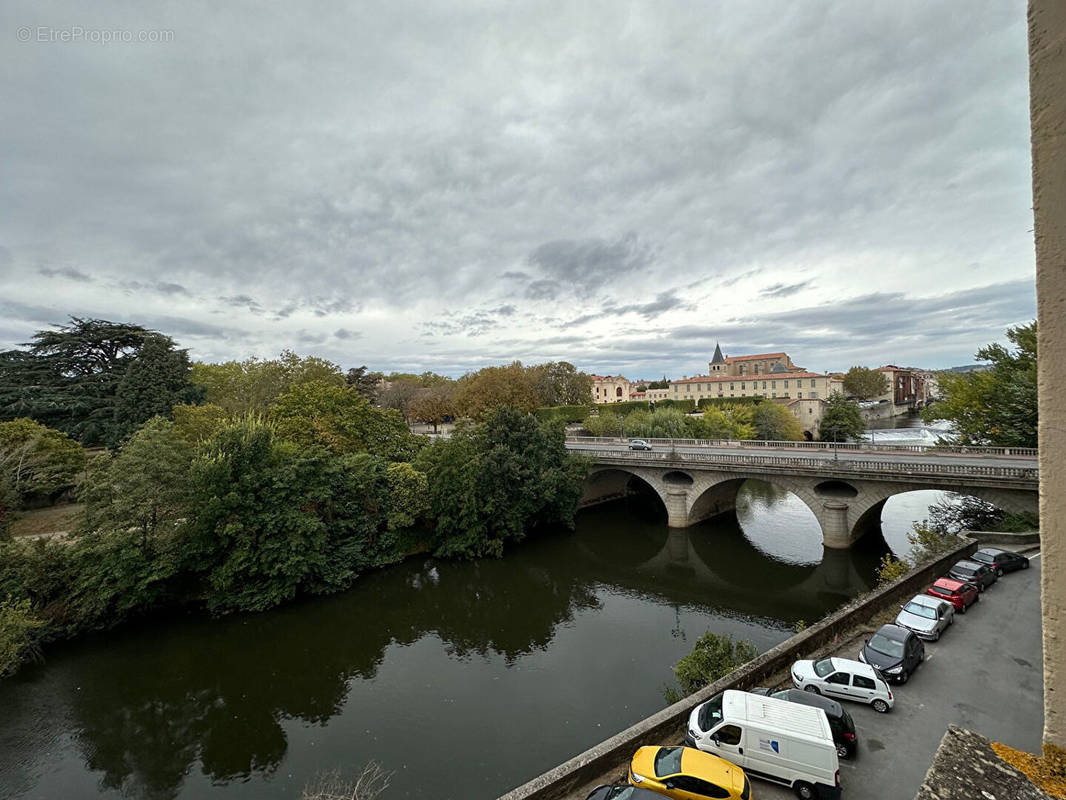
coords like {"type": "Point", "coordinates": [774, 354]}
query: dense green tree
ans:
{"type": "Point", "coordinates": [489, 483]}
{"type": "Point", "coordinates": [714, 656]}
{"type": "Point", "coordinates": [197, 424]}
{"type": "Point", "coordinates": [774, 422]}
{"type": "Point", "coordinates": [94, 380]}
{"type": "Point", "coordinates": [249, 386]}
{"type": "Point", "coordinates": [341, 420]}
{"type": "Point", "coordinates": [479, 393]}
{"type": "Point", "coordinates": [37, 461]}
{"type": "Point", "coordinates": [144, 487]}
{"type": "Point", "coordinates": [724, 422]}
{"type": "Point", "coordinates": [865, 383]}
{"type": "Point", "coordinates": [18, 635]}
{"type": "Point", "coordinates": [602, 421]}
{"type": "Point", "coordinates": [398, 396]}
{"type": "Point", "coordinates": [997, 406]}
{"type": "Point", "coordinates": [559, 383]}
{"type": "Point", "coordinates": [367, 384]}
{"type": "Point", "coordinates": [841, 420]}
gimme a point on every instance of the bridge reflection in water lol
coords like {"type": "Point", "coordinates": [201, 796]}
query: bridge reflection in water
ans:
{"type": "Point", "coordinates": [765, 559]}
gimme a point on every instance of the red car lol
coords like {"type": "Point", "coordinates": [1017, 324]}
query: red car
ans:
{"type": "Point", "coordinates": [959, 594]}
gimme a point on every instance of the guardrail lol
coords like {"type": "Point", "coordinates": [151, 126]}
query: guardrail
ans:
{"type": "Point", "coordinates": [876, 469]}
{"type": "Point", "coordinates": [937, 449]}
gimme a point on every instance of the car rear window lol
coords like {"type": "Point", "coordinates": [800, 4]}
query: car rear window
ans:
{"type": "Point", "coordinates": [667, 761]}
{"type": "Point", "coordinates": [984, 558]}
{"type": "Point", "coordinates": [964, 570]}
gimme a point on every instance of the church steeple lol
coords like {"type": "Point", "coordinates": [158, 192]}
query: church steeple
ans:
{"type": "Point", "coordinates": [717, 358]}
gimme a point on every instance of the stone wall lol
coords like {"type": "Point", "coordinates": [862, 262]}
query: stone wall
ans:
{"type": "Point", "coordinates": [669, 724]}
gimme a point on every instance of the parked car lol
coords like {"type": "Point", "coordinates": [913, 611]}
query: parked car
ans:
{"type": "Point", "coordinates": [685, 773]}
{"type": "Point", "coordinates": [927, 616]}
{"type": "Point", "coordinates": [840, 721]}
{"type": "Point", "coordinates": [639, 444]}
{"type": "Point", "coordinates": [622, 792]}
{"type": "Point", "coordinates": [1000, 560]}
{"type": "Point", "coordinates": [980, 575]}
{"type": "Point", "coordinates": [894, 651]}
{"type": "Point", "coordinates": [774, 739]}
{"type": "Point", "coordinates": [845, 679]}
{"type": "Point", "coordinates": [960, 594]}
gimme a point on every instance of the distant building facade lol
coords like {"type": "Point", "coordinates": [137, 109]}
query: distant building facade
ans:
{"type": "Point", "coordinates": [747, 366]}
{"type": "Point", "coordinates": [611, 389]}
{"type": "Point", "coordinates": [905, 386]}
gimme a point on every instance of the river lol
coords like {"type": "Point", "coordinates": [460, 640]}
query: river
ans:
{"type": "Point", "coordinates": [463, 679]}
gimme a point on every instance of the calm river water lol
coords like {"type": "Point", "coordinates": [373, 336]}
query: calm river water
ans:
{"type": "Point", "coordinates": [463, 679]}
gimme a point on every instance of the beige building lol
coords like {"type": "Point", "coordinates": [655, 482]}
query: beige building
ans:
{"type": "Point", "coordinates": [774, 385]}
{"type": "Point", "coordinates": [611, 389]}
{"type": "Point", "coordinates": [759, 364]}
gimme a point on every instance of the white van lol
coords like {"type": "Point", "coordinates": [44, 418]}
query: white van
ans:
{"type": "Point", "coordinates": [772, 739]}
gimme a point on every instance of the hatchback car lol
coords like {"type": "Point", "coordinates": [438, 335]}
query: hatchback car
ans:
{"type": "Point", "coordinates": [840, 721]}
{"type": "Point", "coordinates": [639, 444]}
{"type": "Point", "coordinates": [927, 616]}
{"type": "Point", "coordinates": [894, 651]}
{"type": "Point", "coordinates": [959, 594]}
{"type": "Point", "coordinates": [843, 679]}
{"type": "Point", "coordinates": [1000, 560]}
{"type": "Point", "coordinates": [685, 773]}
{"type": "Point", "coordinates": [623, 792]}
{"type": "Point", "coordinates": [980, 575]}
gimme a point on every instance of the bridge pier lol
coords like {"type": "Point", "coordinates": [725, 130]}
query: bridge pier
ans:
{"type": "Point", "coordinates": [677, 505]}
{"type": "Point", "coordinates": [836, 533]}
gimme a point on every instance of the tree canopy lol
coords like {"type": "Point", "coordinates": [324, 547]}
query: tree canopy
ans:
{"type": "Point", "coordinates": [997, 406]}
{"type": "Point", "coordinates": [35, 460]}
{"type": "Point", "coordinates": [841, 420]}
{"type": "Point", "coordinates": [95, 380]}
{"type": "Point", "coordinates": [774, 422]}
{"type": "Point", "coordinates": [865, 383]}
{"type": "Point", "coordinates": [240, 387]}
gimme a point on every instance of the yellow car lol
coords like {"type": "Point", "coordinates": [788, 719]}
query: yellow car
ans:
{"type": "Point", "coordinates": [685, 773]}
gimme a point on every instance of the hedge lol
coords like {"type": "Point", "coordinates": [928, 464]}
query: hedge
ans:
{"type": "Point", "coordinates": [682, 405]}
{"type": "Point", "coordinates": [729, 401]}
{"type": "Point", "coordinates": [565, 413]}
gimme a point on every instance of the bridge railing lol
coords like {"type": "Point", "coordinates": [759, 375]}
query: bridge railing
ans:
{"type": "Point", "coordinates": [869, 467]}
{"type": "Point", "coordinates": [841, 447]}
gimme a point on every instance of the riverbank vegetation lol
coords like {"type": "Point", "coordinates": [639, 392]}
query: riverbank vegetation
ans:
{"type": "Point", "coordinates": [713, 656]}
{"type": "Point", "coordinates": [995, 406]}
{"type": "Point", "coordinates": [286, 482]}
{"type": "Point", "coordinates": [767, 421]}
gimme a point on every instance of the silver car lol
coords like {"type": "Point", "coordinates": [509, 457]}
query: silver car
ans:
{"type": "Point", "coordinates": [927, 616]}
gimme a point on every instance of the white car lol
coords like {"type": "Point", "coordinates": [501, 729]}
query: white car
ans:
{"type": "Point", "coordinates": [844, 679]}
{"type": "Point", "coordinates": [927, 616]}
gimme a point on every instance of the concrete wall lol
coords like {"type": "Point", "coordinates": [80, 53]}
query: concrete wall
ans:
{"type": "Point", "coordinates": [669, 724]}
{"type": "Point", "coordinates": [1047, 114]}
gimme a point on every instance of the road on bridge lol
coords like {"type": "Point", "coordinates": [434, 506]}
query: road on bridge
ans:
{"type": "Point", "coordinates": [857, 457]}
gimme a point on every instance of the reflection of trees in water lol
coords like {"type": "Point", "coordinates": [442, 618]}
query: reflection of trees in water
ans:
{"type": "Point", "coordinates": [762, 492]}
{"type": "Point", "coordinates": [216, 691]}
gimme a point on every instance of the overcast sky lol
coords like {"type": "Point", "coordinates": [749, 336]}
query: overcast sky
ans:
{"type": "Point", "coordinates": [443, 186]}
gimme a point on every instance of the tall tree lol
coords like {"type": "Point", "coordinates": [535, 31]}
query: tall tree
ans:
{"type": "Point", "coordinates": [75, 379]}
{"type": "Point", "coordinates": [478, 393]}
{"type": "Point", "coordinates": [865, 383]}
{"type": "Point", "coordinates": [249, 386]}
{"type": "Point", "coordinates": [775, 423]}
{"type": "Point", "coordinates": [489, 483]}
{"type": "Point", "coordinates": [365, 383]}
{"type": "Point", "coordinates": [841, 420]}
{"type": "Point", "coordinates": [558, 383]}
{"type": "Point", "coordinates": [996, 406]}
{"type": "Point", "coordinates": [434, 405]}
{"type": "Point", "coordinates": [35, 460]}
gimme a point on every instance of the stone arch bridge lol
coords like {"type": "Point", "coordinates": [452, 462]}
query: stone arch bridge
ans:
{"type": "Point", "coordinates": [846, 492]}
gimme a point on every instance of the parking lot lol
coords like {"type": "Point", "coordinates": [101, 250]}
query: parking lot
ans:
{"type": "Point", "coordinates": [985, 674]}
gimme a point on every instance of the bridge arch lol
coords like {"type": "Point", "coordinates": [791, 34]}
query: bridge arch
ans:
{"type": "Point", "coordinates": [866, 515]}
{"type": "Point", "coordinates": [608, 483]}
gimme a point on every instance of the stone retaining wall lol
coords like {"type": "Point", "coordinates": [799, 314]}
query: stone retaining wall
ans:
{"type": "Point", "coordinates": [1007, 540]}
{"type": "Point", "coordinates": [669, 724]}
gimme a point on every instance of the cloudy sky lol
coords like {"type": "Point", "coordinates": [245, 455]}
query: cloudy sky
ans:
{"type": "Point", "coordinates": [448, 185]}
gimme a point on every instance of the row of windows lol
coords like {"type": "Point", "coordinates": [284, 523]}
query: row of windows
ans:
{"type": "Point", "coordinates": [706, 387]}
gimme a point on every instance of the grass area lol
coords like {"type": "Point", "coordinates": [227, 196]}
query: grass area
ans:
{"type": "Point", "coordinates": [55, 519]}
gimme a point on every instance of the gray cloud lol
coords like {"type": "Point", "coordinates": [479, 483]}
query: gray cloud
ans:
{"type": "Point", "coordinates": [66, 272]}
{"type": "Point", "coordinates": [570, 167]}
{"type": "Point", "coordinates": [785, 289]}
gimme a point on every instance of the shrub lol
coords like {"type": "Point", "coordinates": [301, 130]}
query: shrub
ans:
{"type": "Point", "coordinates": [565, 414]}
{"type": "Point", "coordinates": [18, 635]}
{"type": "Point", "coordinates": [713, 657]}
{"type": "Point", "coordinates": [728, 401]}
